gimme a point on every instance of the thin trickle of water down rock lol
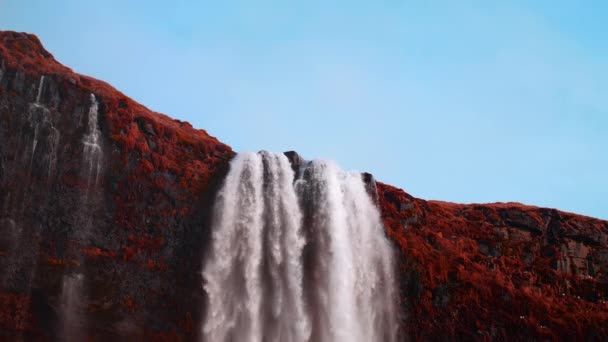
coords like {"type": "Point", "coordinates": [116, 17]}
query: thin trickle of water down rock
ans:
{"type": "Point", "coordinates": [73, 294]}
{"type": "Point", "coordinates": [36, 149]}
{"type": "Point", "coordinates": [92, 148]}
{"type": "Point", "coordinates": [297, 257]}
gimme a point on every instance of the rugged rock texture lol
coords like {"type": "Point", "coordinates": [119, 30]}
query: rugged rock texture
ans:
{"type": "Point", "coordinates": [134, 232]}
{"type": "Point", "coordinates": [135, 235]}
{"type": "Point", "coordinates": [498, 271]}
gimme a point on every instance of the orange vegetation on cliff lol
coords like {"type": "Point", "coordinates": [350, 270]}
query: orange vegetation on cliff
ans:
{"type": "Point", "coordinates": [480, 272]}
{"type": "Point", "coordinates": [494, 270]}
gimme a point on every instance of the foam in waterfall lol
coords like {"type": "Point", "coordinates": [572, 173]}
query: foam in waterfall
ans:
{"type": "Point", "coordinates": [297, 258]}
{"type": "Point", "coordinates": [254, 277]}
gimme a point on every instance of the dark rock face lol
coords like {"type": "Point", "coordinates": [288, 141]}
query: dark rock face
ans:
{"type": "Point", "coordinates": [135, 235]}
{"type": "Point", "coordinates": [296, 161]}
{"type": "Point", "coordinates": [498, 271]}
{"type": "Point", "coordinates": [2, 162]}
{"type": "Point", "coordinates": [130, 226]}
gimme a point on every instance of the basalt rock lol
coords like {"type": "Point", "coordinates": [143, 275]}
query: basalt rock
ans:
{"type": "Point", "coordinates": [135, 234]}
{"type": "Point", "coordinates": [296, 161]}
{"type": "Point", "coordinates": [133, 224]}
{"type": "Point", "coordinates": [499, 271]}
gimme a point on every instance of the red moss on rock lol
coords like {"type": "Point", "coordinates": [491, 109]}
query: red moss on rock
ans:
{"type": "Point", "coordinates": [15, 313]}
{"type": "Point", "coordinates": [156, 172]}
{"type": "Point", "coordinates": [61, 262]}
{"type": "Point", "coordinates": [96, 252]}
{"type": "Point", "coordinates": [492, 271]}
{"type": "Point", "coordinates": [471, 272]}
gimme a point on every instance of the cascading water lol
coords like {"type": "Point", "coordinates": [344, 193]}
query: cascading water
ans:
{"type": "Point", "coordinates": [40, 86]}
{"type": "Point", "coordinates": [40, 121]}
{"type": "Point", "coordinates": [297, 258]}
{"type": "Point", "coordinates": [92, 148]}
{"type": "Point", "coordinates": [37, 150]}
{"type": "Point", "coordinates": [73, 286]}
{"type": "Point", "coordinates": [34, 122]}
{"type": "Point", "coordinates": [257, 248]}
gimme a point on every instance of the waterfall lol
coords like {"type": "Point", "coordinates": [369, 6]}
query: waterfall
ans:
{"type": "Point", "coordinates": [72, 325]}
{"type": "Point", "coordinates": [40, 89]}
{"type": "Point", "coordinates": [297, 257]}
{"type": "Point", "coordinates": [92, 148]}
{"type": "Point", "coordinates": [32, 118]}
{"type": "Point", "coordinates": [40, 121]}
{"type": "Point", "coordinates": [74, 291]}
{"type": "Point", "coordinates": [37, 145]}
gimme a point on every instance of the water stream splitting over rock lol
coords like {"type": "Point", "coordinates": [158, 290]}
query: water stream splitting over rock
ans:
{"type": "Point", "coordinates": [297, 257]}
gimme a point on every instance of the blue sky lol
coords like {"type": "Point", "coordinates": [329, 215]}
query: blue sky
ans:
{"type": "Point", "coordinates": [465, 101]}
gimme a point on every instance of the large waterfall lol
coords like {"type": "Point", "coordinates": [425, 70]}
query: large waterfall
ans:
{"type": "Point", "coordinates": [297, 256]}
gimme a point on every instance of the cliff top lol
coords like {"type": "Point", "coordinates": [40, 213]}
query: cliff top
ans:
{"type": "Point", "coordinates": [24, 52]}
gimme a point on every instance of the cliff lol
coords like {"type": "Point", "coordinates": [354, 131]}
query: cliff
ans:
{"type": "Point", "coordinates": [102, 195]}
{"type": "Point", "coordinates": [135, 234]}
{"type": "Point", "coordinates": [501, 271]}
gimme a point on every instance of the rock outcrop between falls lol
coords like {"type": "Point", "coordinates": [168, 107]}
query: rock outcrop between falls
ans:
{"type": "Point", "coordinates": [136, 234]}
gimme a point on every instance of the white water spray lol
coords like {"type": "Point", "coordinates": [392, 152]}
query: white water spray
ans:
{"type": "Point", "coordinates": [92, 148]}
{"type": "Point", "coordinates": [40, 87]}
{"type": "Point", "coordinates": [297, 262]}
{"type": "Point", "coordinates": [40, 120]}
